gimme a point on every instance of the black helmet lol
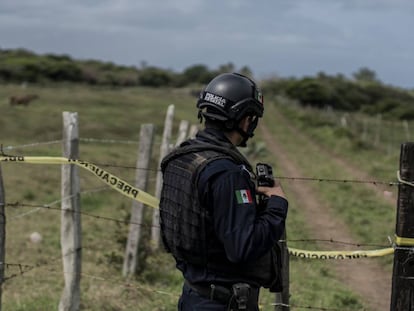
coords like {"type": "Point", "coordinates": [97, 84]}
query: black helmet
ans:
{"type": "Point", "coordinates": [230, 97]}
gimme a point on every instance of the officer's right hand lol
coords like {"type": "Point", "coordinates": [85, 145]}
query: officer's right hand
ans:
{"type": "Point", "coordinates": [275, 190]}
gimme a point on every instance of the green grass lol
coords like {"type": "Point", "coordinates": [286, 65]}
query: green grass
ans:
{"type": "Point", "coordinates": [359, 206]}
{"type": "Point", "coordinates": [312, 282]}
{"type": "Point", "coordinates": [115, 114]}
{"type": "Point", "coordinates": [370, 219]}
{"type": "Point", "coordinates": [118, 114]}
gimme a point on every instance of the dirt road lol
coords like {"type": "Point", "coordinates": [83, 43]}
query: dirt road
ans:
{"type": "Point", "coordinates": [366, 277]}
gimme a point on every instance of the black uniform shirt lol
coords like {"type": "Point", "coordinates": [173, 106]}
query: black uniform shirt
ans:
{"type": "Point", "coordinates": [227, 190]}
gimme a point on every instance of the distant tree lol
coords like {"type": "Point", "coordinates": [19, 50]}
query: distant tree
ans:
{"type": "Point", "coordinates": [310, 91]}
{"type": "Point", "coordinates": [62, 57]}
{"type": "Point", "coordinates": [322, 75]}
{"type": "Point", "coordinates": [196, 74]}
{"type": "Point", "coordinates": [229, 67]}
{"type": "Point", "coordinates": [365, 74]}
{"type": "Point", "coordinates": [62, 71]}
{"type": "Point", "coordinates": [246, 71]}
{"type": "Point", "coordinates": [155, 77]}
{"type": "Point", "coordinates": [20, 53]}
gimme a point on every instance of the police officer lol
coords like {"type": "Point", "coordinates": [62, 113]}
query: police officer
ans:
{"type": "Point", "coordinates": [222, 241]}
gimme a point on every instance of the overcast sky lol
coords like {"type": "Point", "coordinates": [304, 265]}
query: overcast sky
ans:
{"type": "Point", "coordinates": [272, 37]}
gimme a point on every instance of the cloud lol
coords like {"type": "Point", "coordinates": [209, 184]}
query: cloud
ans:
{"type": "Point", "coordinates": [300, 35]}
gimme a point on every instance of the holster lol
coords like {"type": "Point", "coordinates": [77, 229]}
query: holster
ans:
{"type": "Point", "coordinates": [241, 293]}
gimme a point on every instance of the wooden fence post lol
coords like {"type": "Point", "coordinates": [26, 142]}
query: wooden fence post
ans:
{"type": "Point", "coordinates": [193, 131]}
{"type": "Point", "coordinates": [70, 219]}
{"type": "Point", "coordinates": [182, 132]}
{"type": "Point", "coordinates": [2, 234]}
{"type": "Point", "coordinates": [144, 157]}
{"type": "Point", "coordinates": [164, 149]}
{"type": "Point", "coordinates": [282, 298]}
{"type": "Point", "coordinates": [402, 295]}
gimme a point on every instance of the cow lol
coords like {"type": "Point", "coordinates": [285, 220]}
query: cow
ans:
{"type": "Point", "coordinates": [22, 100]}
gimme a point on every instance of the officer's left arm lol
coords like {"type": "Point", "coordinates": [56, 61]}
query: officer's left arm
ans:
{"type": "Point", "coordinates": [245, 234]}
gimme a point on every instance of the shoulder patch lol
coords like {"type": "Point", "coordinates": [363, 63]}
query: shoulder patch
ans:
{"type": "Point", "coordinates": [244, 196]}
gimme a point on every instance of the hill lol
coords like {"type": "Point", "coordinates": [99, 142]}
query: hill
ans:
{"type": "Point", "coordinates": [364, 93]}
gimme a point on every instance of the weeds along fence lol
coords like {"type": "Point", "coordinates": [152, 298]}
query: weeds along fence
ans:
{"type": "Point", "coordinates": [71, 238]}
{"type": "Point", "coordinates": [373, 130]}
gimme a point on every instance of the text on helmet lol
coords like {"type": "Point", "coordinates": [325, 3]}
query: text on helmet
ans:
{"type": "Point", "coordinates": [215, 99]}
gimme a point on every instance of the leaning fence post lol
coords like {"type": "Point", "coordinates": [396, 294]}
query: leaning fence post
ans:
{"type": "Point", "coordinates": [164, 149]}
{"type": "Point", "coordinates": [2, 234]}
{"type": "Point", "coordinates": [402, 294]}
{"type": "Point", "coordinates": [70, 219]}
{"type": "Point", "coordinates": [144, 157]}
{"type": "Point", "coordinates": [282, 298]}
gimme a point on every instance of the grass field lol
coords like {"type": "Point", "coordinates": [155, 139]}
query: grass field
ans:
{"type": "Point", "coordinates": [34, 276]}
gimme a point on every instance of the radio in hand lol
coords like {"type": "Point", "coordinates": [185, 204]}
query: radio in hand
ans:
{"type": "Point", "coordinates": [264, 175]}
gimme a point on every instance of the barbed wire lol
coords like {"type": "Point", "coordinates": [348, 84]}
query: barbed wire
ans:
{"type": "Point", "coordinates": [25, 268]}
{"type": "Point", "coordinates": [32, 144]}
{"type": "Point", "coordinates": [317, 179]}
{"type": "Point", "coordinates": [127, 167]}
{"type": "Point", "coordinates": [374, 182]}
{"type": "Point", "coordinates": [49, 207]}
{"type": "Point", "coordinates": [109, 141]}
{"type": "Point", "coordinates": [85, 140]}
{"type": "Point", "coordinates": [293, 178]}
{"type": "Point", "coordinates": [39, 207]}
{"type": "Point", "coordinates": [128, 222]}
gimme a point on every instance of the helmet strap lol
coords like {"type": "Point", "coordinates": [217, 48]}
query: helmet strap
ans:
{"type": "Point", "coordinates": [247, 134]}
{"type": "Point", "coordinates": [200, 116]}
{"type": "Point", "coordinates": [229, 124]}
{"type": "Point", "coordinates": [245, 137]}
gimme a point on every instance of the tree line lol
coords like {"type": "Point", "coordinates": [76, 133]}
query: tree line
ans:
{"type": "Point", "coordinates": [21, 65]}
{"type": "Point", "coordinates": [363, 92]}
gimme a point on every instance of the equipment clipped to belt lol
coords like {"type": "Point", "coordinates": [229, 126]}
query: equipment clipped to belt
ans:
{"type": "Point", "coordinates": [239, 296]}
{"type": "Point", "coordinates": [241, 292]}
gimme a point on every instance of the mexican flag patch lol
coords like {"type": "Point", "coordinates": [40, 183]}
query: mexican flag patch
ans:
{"type": "Point", "coordinates": [244, 196]}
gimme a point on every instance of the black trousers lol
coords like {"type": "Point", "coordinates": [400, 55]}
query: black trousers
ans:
{"type": "Point", "coordinates": [191, 300]}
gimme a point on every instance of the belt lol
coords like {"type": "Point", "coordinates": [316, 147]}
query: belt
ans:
{"type": "Point", "coordinates": [212, 291]}
{"type": "Point", "coordinates": [227, 294]}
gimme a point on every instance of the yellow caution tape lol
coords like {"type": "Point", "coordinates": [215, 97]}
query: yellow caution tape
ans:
{"type": "Point", "coordinates": [339, 254]}
{"type": "Point", "coordinates": [111, 180]}
{"type": "Point", "coordinates": [141, 196]}
{"type": "Point", "coordinates": [401, 241]}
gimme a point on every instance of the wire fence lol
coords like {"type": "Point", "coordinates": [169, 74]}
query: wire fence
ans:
{"type": "Point", "coordinates": [16, 269]}
{"type": "Point", "coordinates": [374, 130]}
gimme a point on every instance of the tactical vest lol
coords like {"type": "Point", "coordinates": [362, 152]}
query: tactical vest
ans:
{"type": "Point", "coordinates": [187, 227]}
